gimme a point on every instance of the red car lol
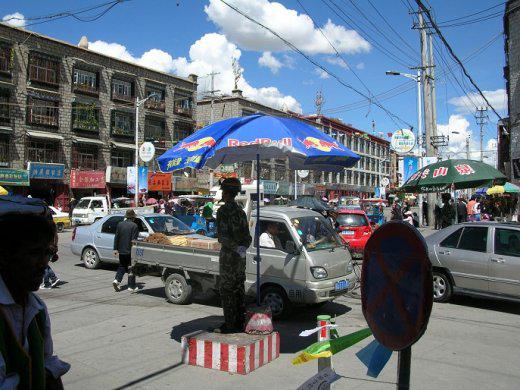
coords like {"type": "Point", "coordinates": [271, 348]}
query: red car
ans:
{"type": "Point", "coordinates": [354, 228]}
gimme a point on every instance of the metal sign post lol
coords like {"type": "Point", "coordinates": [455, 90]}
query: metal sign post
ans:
{"type": "Point", "coordinates": [404, 361]}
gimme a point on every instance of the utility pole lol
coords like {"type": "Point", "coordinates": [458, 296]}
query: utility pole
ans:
{"type": "Point", "coordinates": [481, 117]}
{"type": "Point", "coordinates": [467, 147]}
{"type": "Point", "coordinates": [431, 73]}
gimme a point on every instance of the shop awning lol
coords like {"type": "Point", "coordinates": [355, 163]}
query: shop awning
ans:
{"type": "Point", "coordinates": [44, 135]}
{"type": "Point", "coordinates": [83, 140]}
{"type": "Point", "coordinates": [123, 145]}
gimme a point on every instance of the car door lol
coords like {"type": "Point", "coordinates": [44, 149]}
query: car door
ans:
{"type": "Point", "coordinates": [468, 261]}
{"type": "Point", "coordinates": [98, 209]}
{"type": "Point", "coordinates": [104, 237]}
{"type": "Point", "coordinates": [504, 262]}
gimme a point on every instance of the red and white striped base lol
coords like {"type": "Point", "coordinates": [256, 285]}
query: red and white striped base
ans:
{"type": "Point", "coordinates": [236, 353]}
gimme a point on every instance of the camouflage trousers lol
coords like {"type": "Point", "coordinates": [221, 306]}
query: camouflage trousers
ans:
{"type": "Point", "coordinates": [232, 270]}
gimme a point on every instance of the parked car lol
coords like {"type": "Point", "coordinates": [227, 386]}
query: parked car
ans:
{"type": "Point", "coordinates": [95, 243]}
{"type": "Point", "coordinates": [60, 218]}
{"type": "Point", "coordinates": [354, 228]}
{"type": "Point", "coordinates": [479, 258]}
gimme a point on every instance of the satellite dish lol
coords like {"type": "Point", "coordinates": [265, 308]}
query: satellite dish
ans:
{"type": "Point", "coordinates": [302, 173]}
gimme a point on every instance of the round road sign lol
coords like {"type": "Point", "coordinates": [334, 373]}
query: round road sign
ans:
{"type": "Point", "coordinates": [385, 182]}
{"type": "Point", "coordinates": [146, 151]}
{"type": "Point", "coordinates": [396, 285]}
{"type": "Point", "coordinates": [303, 173]}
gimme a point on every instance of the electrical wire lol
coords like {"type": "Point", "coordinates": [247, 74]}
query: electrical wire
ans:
{"type": "Point", "coordinates": [472, 14]}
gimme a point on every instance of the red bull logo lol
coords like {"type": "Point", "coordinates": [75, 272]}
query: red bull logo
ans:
{"type": "Point", "coordinates": [262, 141]}
{"type": "Point", "coordinates": [205, 142]}
{"type": "Point", "coordinates": [324, 146]}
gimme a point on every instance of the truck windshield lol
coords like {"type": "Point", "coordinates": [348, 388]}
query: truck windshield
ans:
{"type": "Point", "coordinates": [315, 233]}
{"type": "Point", "coordinates": [83, 204]}
{"type": "Point", "coordinates": [168, 225]}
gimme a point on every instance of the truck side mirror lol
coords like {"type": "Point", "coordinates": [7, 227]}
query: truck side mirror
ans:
{"type": "Point", "coordinates": [290, 247]}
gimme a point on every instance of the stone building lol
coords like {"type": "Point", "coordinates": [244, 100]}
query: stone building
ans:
{"type": "Point", "coordinates": [67, 114]}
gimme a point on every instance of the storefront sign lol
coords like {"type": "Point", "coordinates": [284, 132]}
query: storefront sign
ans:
{"type": "Point", "coordinates": [403, 141]}
{"type": "Point", "coordinates": [158, 181]}
{"type": "Point", "coordinates": [146, 151]}
{"type": "Point", "coordinates": [181, 183]}
{"type": "Point", "coordinates": [87, 179]}
{"type": "Point", "coordinates": [14, 177]}
{"type": "Point", "coordinates": [270, 186]}
{"type": "Point", "coordinates": [46, 171]}
{"type": "Point", "coordinates": [116, 175]}
{"type": "Point", "coordinates": [224, 175]}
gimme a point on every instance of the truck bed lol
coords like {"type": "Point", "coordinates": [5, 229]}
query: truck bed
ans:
{"type": "Point", "coordinates": [180, 257]}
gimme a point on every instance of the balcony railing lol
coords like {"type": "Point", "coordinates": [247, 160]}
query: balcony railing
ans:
{"type": "Point", "coordinates": [122, 97]}
{"type": "Point", "coordinates": [183, 111]}
{"type": "Point", "coordinates": [121, 131]}
{"type": "Point", "coordinates": [43, 75]}
{"type": "Point", "coordinates": [44, 116]}
{"type": "Point", "coordinates": [44, 155]}
{"type": "Point", "coordinates": [155, 105]}
{"type": "Point", "coordinates": [86, 88]}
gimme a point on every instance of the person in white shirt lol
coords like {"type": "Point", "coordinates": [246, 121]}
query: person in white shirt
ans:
{"type": "Point", "coordinates": [27, 360]}
{"type": "Point", "coordinates": [408, 217]}
{"type": "Point", "coordinates": [269, 238]}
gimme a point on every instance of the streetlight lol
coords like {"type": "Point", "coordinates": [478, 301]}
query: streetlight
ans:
{"type": "Point", "coordinates": [417, 79]}
{"type": "Point", "coordinates": [137, 104]}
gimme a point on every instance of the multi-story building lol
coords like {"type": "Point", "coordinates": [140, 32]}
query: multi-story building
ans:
{"type": "Point", "coordinates": [359, 180]}
{"type": "Point", "coordinates": [68, 113]}
{"type": "Point", "coordinates": [509, 129]}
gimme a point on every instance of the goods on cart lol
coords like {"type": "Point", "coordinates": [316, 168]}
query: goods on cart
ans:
{"type": "Point", "coordinates": [157, 238]}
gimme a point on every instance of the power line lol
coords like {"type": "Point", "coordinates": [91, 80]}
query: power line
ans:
{"type": "Point", "coordinates": [390, 114]}
{"type": "Point", "coordinates": [452, 53]}
{"type": "Point", "coordinates": [472, 14]}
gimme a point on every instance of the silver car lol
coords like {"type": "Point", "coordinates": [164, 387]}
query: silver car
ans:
{"type": "Point", "coordinates": [95, 243]}
{"type": "Point", "coordinates": [480, 258]}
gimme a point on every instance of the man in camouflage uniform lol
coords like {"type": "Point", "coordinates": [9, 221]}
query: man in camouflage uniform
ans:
{"type": "Point", "coordinates": [233, 235]}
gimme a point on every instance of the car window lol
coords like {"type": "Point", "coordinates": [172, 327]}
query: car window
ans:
{"type": "Point", "coordinates": [110, 225]}
{"type": "Point", "coordinates": [452, 240]}
{"type": "Point", "coordinates": [507, 242]}
{"type": "Point", "coordinates": [474, 239]}
{"type": "Point", "coordinates": [83, 204]}
{"type": "Point", "coordinates": [168, 225]}
{"type": "Point", "coordinates": [140, 225]}
{"type": "Point", "coordinates": [96, 204]}
{"type": "Point", "coordinates": [280, 238]}
{"type": "Point", "coordinates": [316, 233]}
{"type": "Point", "coordinates": [354, 220]}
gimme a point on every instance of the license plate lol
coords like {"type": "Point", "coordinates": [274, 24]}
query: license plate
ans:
{"type": "Point", "coordinates": [341, 285]}
{"type": "Point", "coordinates": [347, 232]}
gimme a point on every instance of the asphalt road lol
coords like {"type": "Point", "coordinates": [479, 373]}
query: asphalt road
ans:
{"type": "Point", "coordinates": [123, 340]}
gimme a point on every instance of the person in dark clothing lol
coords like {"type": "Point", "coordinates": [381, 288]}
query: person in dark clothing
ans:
{"type": "Point", "coordinates": [126, 232]}
{"type": "Point", "coordinates": [462, 211]}
{"type": "Point", "coordinates": [397, 212]}
{"type": "Point", "coordinates": [447, 211]}
{"type": "Point", "coordinates": [73, 202]}
{"type": "Point", "coordinates": [233, 235]}
{"type": "Point", "coordinates": [437, 215]}
{"type": "Point", "coordinates": [425, 212]}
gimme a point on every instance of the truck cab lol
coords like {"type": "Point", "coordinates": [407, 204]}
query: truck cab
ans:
{"type": "Point", "coordinates": [89, 209]}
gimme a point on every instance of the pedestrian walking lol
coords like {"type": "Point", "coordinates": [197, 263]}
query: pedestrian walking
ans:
{"type": "Point", "coordinates": [72, 204]}
{"type": "Point", "coordinates": [437, 214]}
{"type": "Point", "coordinates": [233, 235]}
{"type": "Point", "coordinates": [425, 213]}
{"type": "Point", "coordinates": [469, 208]}
{"type": "Point", "coordinates": [207, 213]}
{"type": "Point", "coordinates": [396, 213]}
{"type": "Point", "coordinates": [50, 280]}
{"type": "Point", "coordinates": [126, 232]}
{"type": "Point", "coordinates": [462, 211]}
{"type": "Point", "coordinates": [27, 359]}
{"type": "Point", "coordinates": [447, 212]}
{"type": "Point", "coordinates": [477, 210]}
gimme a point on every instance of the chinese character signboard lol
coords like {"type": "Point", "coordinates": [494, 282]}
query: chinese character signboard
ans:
{"type": "Point", "coordinates": [46, 171]}
{"type": "Point", "coordinates": [270, 186]}
{"type": "Point", "coordinates": [410, 165]}
{"type": "Point", "coordinates": [159, 181]}
{"type": "Point", "coordinates": [116, 175]}
{"type": "Point", "coordinates": [87, 179]}
{"type": "Point", "coordinates": [14, 177]}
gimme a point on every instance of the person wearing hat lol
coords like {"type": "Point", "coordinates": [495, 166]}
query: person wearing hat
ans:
{"type": "Point", "coordinates": [233, 235]}
{"type": "Point", "coordinates": [27, 244]}
{"type": "Point", "coordinates": [126, 232]}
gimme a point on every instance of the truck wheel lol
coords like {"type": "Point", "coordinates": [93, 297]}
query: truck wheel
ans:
{"type": "Point", "coordinates": [59, 227]}
{"type": "Point", "coordinates": [442, 288]}
{"type": "Point", "coordinates": [177, 289]}
{"type": "Point", "coordinates": [90, 258]}
{"type": "Point", "coordinates": [277, 300]}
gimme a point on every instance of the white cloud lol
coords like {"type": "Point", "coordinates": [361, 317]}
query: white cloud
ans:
{"type": "Point", "coordinates": [212, 52]}
{"type": "Point", "coordinates": [321, 73]}
{"type": "Point", "coordinates": [337, 61]}
{"type": "Point", "coordinates": [270, 61]}
{"type": "Point", "coordinates": [360, 65]}
{"type": "Point", "coordinates": [16, 20]}
{"type": "Point", "coordinates": [466, 104]}
{"type": "Point", "coordinates": [297, 28]}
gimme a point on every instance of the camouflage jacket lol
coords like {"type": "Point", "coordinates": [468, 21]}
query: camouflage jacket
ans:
{"type": "Point", "coordinates": [232, 227]}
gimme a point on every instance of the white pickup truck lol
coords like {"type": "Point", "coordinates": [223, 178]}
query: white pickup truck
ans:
{"type": "Point", "coordinates": [91, 208]}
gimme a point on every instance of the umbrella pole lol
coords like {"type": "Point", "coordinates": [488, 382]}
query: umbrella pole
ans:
{"type": "Point", "coordinates": [257, 230]}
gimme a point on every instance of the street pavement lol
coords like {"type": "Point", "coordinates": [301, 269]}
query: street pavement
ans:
{"type": "Point", "coordinates": [132, 341]}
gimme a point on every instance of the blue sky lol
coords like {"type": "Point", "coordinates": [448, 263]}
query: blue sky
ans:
{"type": "Point", "coordinates": [201, 35]}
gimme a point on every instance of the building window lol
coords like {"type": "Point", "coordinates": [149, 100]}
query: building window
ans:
{"type": "Point", "coordinates": [85, 117]}
{"type": "Point", "coordinates": [154, 131]}
{"type": "Point", "coordinates": [183, 104]}
{"type": "Point", "coordinates": [122, 90]}
{"type": "Point", "coordinates": [5, 108]}
{"type": "Point", "coordinates": [43, 151]}
{"type": "Point", "coordinates": [156, 101]}
{"type": "Point", "coordinates": [5, 159]}
{"type": "Point", "coordinates": [42, 112]}
{"type": "Point", "coordinates": [121, 158]}
{"type": "Point", "coordinates": [181, 130]}
{"type": "Point", "coordinates": [44, 69]}
{"type": "Point", "coordinates": [85, 81]}
{"type": "Point", "coordinates": [85, 157]}
{"type": "Point", "coordinates": [6, 58]}
{"type": "Point", "coordinates": [122, 124]}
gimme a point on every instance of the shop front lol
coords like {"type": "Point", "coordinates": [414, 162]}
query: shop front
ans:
{"type": "Point", "coordinates": [116, 182]}
{"type": "Point", "coordinates": [87, 183]}
{"type": "Point", "coordinates": [47, 182]}
{"type": "Point", "coordinates": [182, 185]}
{"type": "Point", "coordinates": [159, 185]}
{"type": "Point", "coordinates": [15, 181]}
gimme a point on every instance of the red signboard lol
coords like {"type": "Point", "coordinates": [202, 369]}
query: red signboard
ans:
{"type": "Point", "coordinates": [224, 175]}
{"type": "Point", "coordinates": [159, 181]}
{"type": "Point", "coordinates": [87, 179]}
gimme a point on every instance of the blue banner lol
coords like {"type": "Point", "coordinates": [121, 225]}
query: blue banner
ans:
{"type": "Point", "coordinates": [143, 179]}
{"type": "Point", "coordinates": [410, 166]}
{"type": "Point", "coordinates": [46, 171]}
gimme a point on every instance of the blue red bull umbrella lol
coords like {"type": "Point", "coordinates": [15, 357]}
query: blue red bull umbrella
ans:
{"type": "Point", "coordinates": [258, 137]}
